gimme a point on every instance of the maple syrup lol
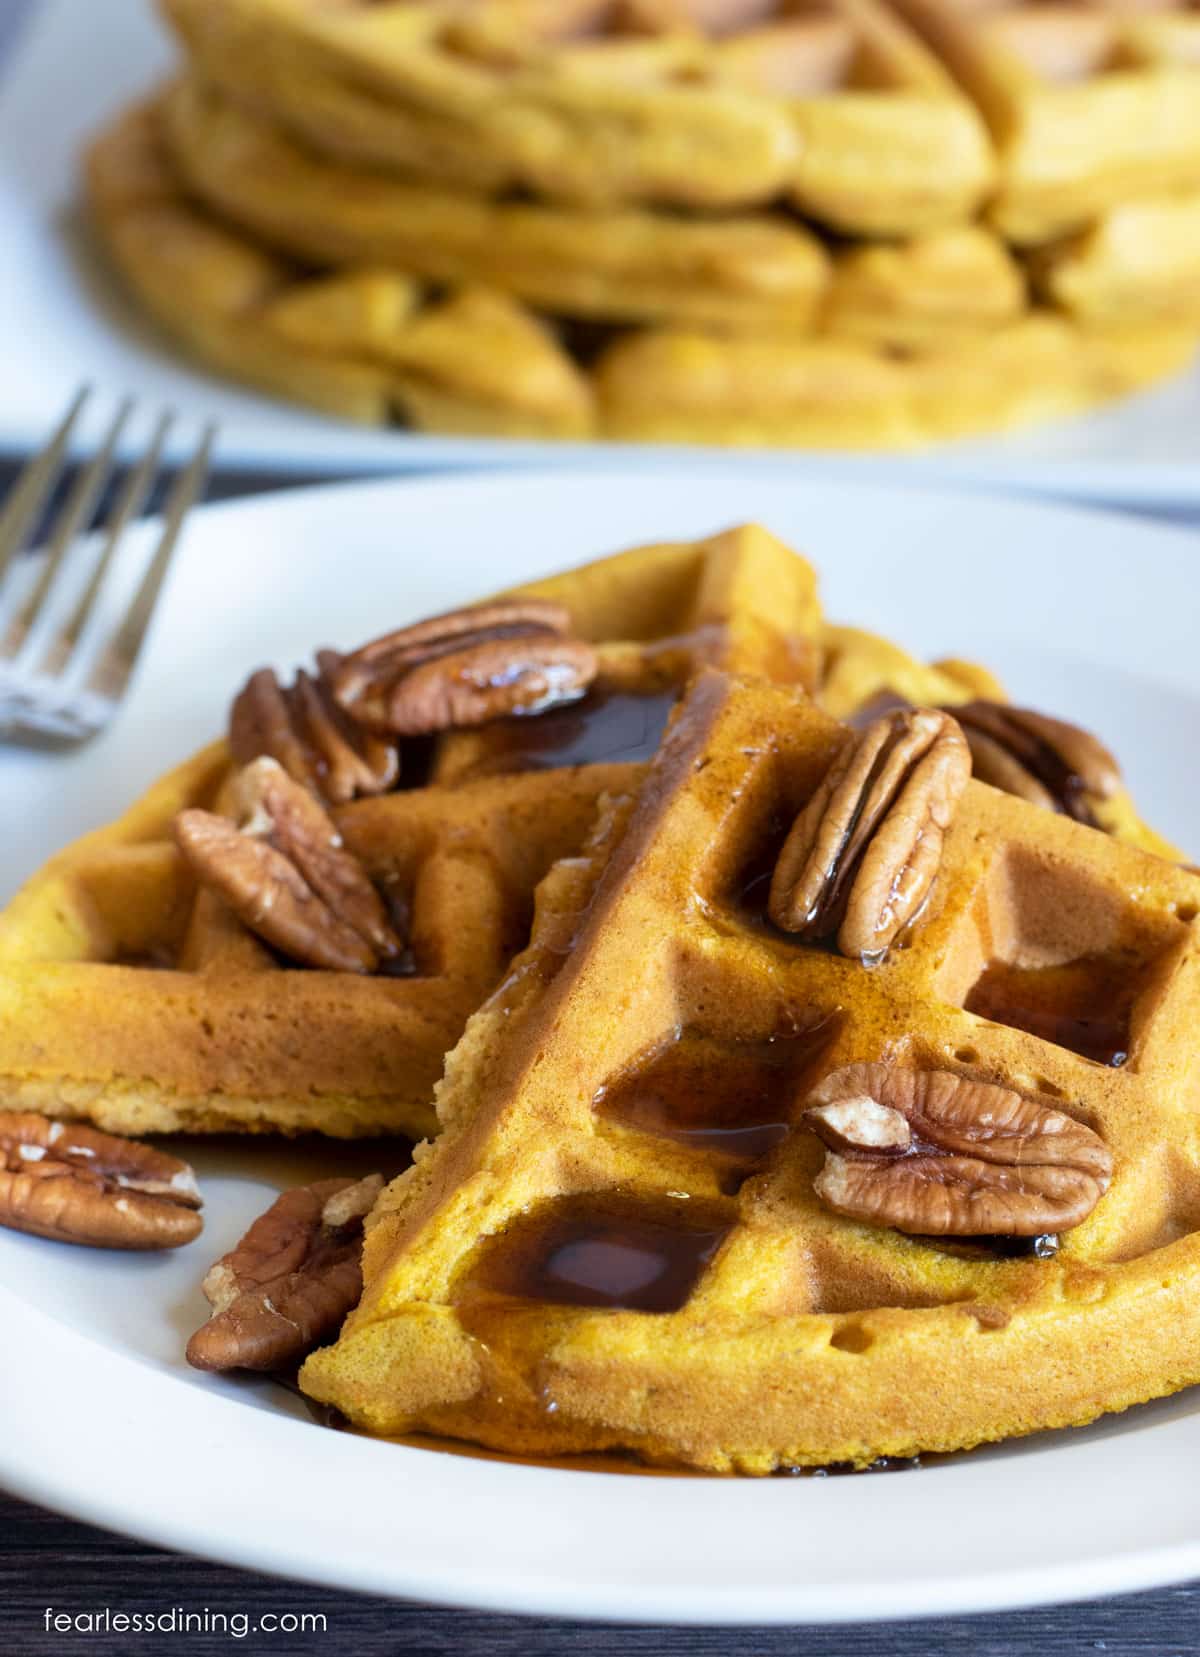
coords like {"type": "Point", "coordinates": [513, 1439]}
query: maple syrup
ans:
{"type": "Point", "coordinates": [605, 727]}
{"type": "Point", "coordinates": [1042, 1247]}
{"type": "Point", "coordinates": [154, 958]}
{"type": "Point", "coordinates": [734, 1098]}
{"type": "Point", "coordinates": [1083, 1005]}
{"type": "Point", "coordinates": [601, 1251]}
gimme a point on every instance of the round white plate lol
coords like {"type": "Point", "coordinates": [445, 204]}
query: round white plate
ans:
{"type": "Point", "coordinates": [1089, 616]}
{"type": "Point", "coordinates": [76, 324]}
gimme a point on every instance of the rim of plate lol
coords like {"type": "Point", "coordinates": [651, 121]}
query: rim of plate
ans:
{"type": "Point", "coordinates": [193, 1468]}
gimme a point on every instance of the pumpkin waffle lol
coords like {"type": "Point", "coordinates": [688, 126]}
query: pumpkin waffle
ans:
{"type": "Point", "coordinates": [372, 344]}
{"type": "Point", "coordinates": [1137, 263]}
{"type": "Point", "coordinates": [1089, 105]}
{"type": "Point", "coordinates": [626, 265]}
{"type": "Point", "coordinates": [617, 1242]}
{"type": "Point", "coordinates": [131, 998]}
{"type": "Point", "coordinates": [682, 385]}
{"type": "Point", "coordinates": [367, 344]}
{"type": "Point", "coordinates": [831, 104]}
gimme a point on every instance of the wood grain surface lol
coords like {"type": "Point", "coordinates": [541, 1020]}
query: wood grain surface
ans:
{"type": "Point", "coordinates": [50, 1562]}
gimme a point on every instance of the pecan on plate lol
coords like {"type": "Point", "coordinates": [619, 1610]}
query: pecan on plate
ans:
{"type": "Point", "coordinates": [466, 668]}
{"type": "Point", "coordinates": [1043, 760]}
{"type": "Point", "coordinates": [862, 856]}
{"type": "Point", "coordinates": [937, 1154]}
{"type": "Point", "coordinates": [285, 872]}
{"type": "Point", "coordinates": [312, 736]}
{"type": "Point", "coordinates": [291, 1280]}
{"type": "Point", "coordinates": [75, 1184]}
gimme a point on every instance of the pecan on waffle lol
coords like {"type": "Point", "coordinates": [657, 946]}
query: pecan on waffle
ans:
{"type": "Point", "coordinates": [717, 1194]}
{"type": "Point", "coordinates": [132, 998]}
{"type": "Point", "coordinates": [1054, 764]}
{"type": "Point", "coordinates": [632, 264]}
{"type": "Point", "coordinates": [1137, 263]}
{"type": "Point", "coordinates": [366, 344]}
{"type": "Point", "coordinates": [832, 104]}
{"type": "Point", "coordinates": [1089, 105]}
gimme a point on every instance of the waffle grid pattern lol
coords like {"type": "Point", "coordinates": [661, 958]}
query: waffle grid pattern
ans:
{"type": "Point", "coordinates": [128, 997]}
{"type": "Point", "coordinates": [807, 1338]}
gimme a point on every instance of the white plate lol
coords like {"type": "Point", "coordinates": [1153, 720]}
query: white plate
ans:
{"type": "Point", "coordinates": [65, 321]}
{"type": "Point", "coordinates": [1090, 616]}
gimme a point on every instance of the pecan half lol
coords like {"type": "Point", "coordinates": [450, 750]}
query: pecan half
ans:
{"type": "Point", "coordinates": [465, 668]}
{"type": "Point", "coordinates": [937, 1154]}
{"type": "Point", "coordinates": [315, 740]}
{"type": "Point", "coordinates": [285, 872]}
{"type": "Point", "coordinates": [862, 856]}
{"type": "Point", "coordinates": [77, 1185]}
{"type": "Point", "coordinates": [1046, 761]}
{"type": "Point", "coordinates": [290, 1281]}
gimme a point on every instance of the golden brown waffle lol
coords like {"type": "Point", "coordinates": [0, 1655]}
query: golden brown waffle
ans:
{"type": "Point", "coordinates": [831, 103]}
{"type": "Point", "coordinates": [1137, 263]}
{"type": "Point", "coordinates": [616, 1244]}
{"type": "Point", "coordinates": [367, 344]}
{"type": "Point", "coordinates": [129, 998]}
{"type": "Point", "coordinates": [623, 265]}
{"type": "Point", "coordinates": [1089, 105]}
{"type": "Point", "coordinates": [678, 385]}
{"type": "Point", "coordinates": [371, 344]}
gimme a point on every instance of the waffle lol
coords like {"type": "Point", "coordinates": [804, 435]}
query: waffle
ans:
{"type": "Point", "coordinates": [1135, 264]}
{"type": "Point", "coordinates": [1089, 105]}
{"type": "Point", "coordinates": [680, 385]}
{"type": "Point", "coordinates": [616, 1243]}
{"type": "Point", "coordinates": [371, 344]}
{"type": "Point", "coordinates": [366, 344]}
{"type": "Point", "coordinates": [129, 998]}
{"type": "Point", "coordinates": [832, 104]}
{"type": "Point", "coordinates": [624, 265]}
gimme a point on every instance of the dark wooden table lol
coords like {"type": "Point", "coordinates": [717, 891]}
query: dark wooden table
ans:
{"type": "Point", "coordinates": [48, 1563]}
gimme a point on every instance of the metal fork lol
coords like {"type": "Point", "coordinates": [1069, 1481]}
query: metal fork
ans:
{"type": "Point", "coordinates": [64, 668]}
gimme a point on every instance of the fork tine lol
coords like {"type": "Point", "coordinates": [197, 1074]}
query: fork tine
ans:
{"type": "Point", "coordinates": [72, 518]}
{"type": "Point", "coordinates": [128, 502]}
{"type": "Point", "coordinates": [119, 660]}
{"type": "Point", "coordinates": [28, 494]}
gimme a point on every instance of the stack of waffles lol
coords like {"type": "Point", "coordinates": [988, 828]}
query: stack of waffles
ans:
{"type": "Point", "coordinates": [787, 1097]}
{"type": "Point", "coordinates": [830, 223]}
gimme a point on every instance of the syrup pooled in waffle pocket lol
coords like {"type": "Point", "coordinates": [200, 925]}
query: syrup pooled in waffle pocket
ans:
{"type": "Point", "coordinates": [730, 966]}
{"type": "Point", "coordinates": [789, 1140]}
{"type": "Point", "coordinates": [152, 1001]}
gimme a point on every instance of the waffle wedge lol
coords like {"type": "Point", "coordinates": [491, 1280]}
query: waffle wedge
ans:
{"type": "Point", "coordinates": [617, 1243]}
{"type": "Point", "coordinates": [833, 105]}
{"type": "Point", "coordinates": [1090, 106]}
{"type": "Point", "coordinates": [130, 997]}
{"type": "Point", "coordinates": [632, 264]}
